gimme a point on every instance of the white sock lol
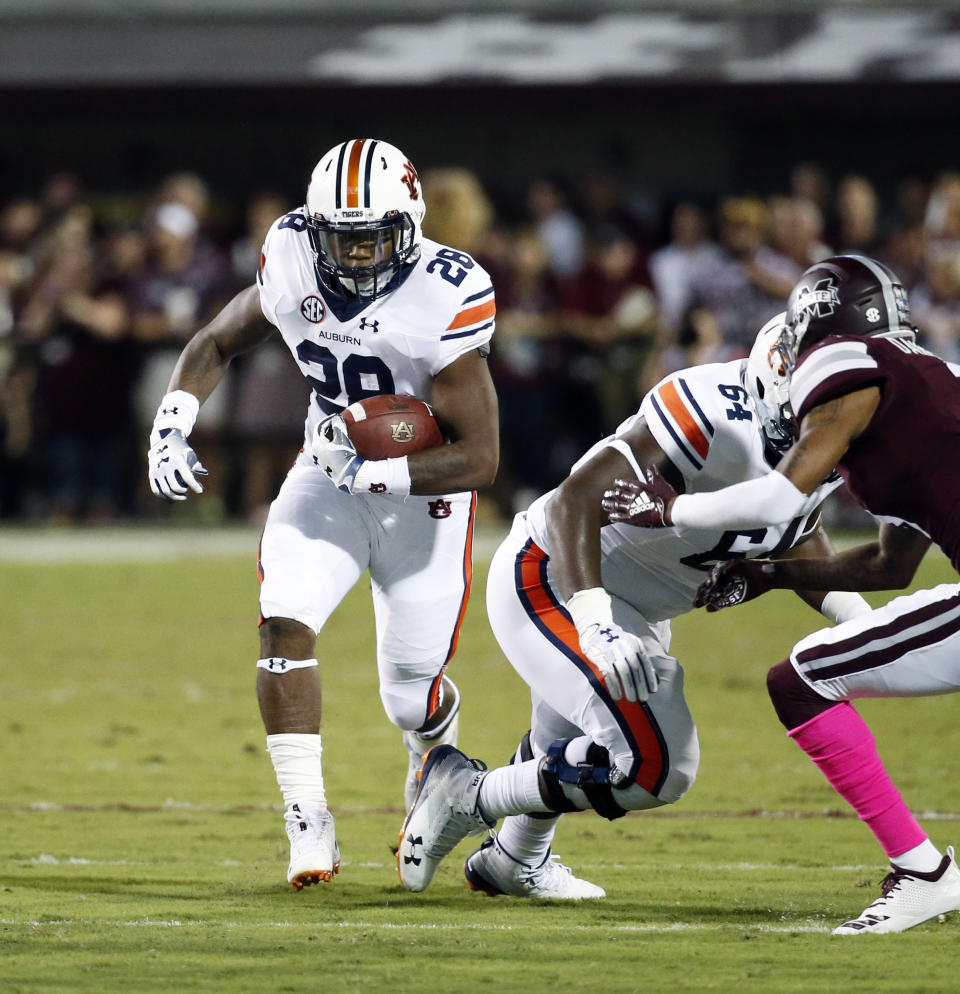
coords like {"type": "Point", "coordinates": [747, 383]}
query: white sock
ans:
{"type": "Point", "coordinates": [296, 762]}
{"type": "Point", "coordinates": [924, 858]}
{"type": "Point", "coordinates": [527, 839]}
{"type": "Point", "coordinates": [512, 790]}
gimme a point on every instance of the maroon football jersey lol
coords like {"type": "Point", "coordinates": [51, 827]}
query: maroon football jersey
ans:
{"type": "Point", "coordinates": [905, 468]}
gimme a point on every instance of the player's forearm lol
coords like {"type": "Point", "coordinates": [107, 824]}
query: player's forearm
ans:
{"type": "Point", "coordinates": [200, 367]}
{"type": "Point", "coordinates": [239, 326]}
{"type": "Point", "coordinates": [768, 500]}
{"type": "Point", "coordinates": [453, 468]}
{"type": "Point", "coordinates": [862, 568]}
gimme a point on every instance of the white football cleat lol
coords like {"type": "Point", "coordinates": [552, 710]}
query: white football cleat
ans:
{"type": "Point", "coordinates": [445, 811]}
{"type": "Point", "coordinates": [908, 899]}
{"type": "Point", "coordinates": [417, 746]}
{"type": "Point", "coordinates": [494, 871]}
{"type": "Point", "coordinates": [314, 853]}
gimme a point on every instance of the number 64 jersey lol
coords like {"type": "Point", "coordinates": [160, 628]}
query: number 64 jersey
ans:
{"type": "Point", "coordinates": [704, 421]}
{"type": "Point", "coordinates": [396, 343]}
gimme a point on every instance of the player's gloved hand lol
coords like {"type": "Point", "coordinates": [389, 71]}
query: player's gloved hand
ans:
{"type": "Point", "coordinates": [642, 503]}
{"type": "Point", "coordinates": [733, 582]}
{"type": "Point", "coordinates": [335, 453]}
{"type": "Point", "coordinates": [172, 465]}
{"type": "Point", "coordinates": [618, 654]}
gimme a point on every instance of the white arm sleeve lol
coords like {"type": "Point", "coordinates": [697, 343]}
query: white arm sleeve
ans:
{"type": "Point", "coordinates": [843, 605]}
{"type": "Point", "coordinates": [768, 500]}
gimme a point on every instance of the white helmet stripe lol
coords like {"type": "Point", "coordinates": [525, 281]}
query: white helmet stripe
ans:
{"type": "Point", "coordinates": [366, 173]}
{"type": "Point", "coordinates": [886, 285]}
{"type": "Point", "coordinates": [343, 152]}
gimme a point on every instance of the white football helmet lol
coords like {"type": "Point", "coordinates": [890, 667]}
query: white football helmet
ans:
{"type": "Point", "coordinates": [364, 217]}
{"type": "Point", "coordinates": [766, 381]}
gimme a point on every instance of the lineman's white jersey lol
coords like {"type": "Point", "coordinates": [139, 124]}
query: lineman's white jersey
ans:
{"type": "Point", "coordinates": [704, 421]}
{"type": "Point", "coordinates": [395, 344]}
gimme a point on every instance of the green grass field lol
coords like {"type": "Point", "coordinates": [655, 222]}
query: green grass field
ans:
{"type": "Point", "coordinates": [143, 850]}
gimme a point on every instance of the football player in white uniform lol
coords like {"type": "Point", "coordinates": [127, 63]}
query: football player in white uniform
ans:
{"type": "Point", "coordinates": [367, 306]}
{"type": "Point", "coordinates": [582, 609]}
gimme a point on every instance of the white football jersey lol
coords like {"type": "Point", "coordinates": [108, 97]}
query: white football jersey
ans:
{"type": "Point", "coordinates": [394, 344]}
{"type": "Point", "coordinates": [704, 421]}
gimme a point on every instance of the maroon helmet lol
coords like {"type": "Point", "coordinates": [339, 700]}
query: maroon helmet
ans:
{"type": "Point", "coordinates": [844, 295]}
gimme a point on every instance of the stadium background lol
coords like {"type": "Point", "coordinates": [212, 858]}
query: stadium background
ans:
{"type": "Point", "coordinates": [556, 141]}
{"type": "Point", "coordinates": [141, 849]}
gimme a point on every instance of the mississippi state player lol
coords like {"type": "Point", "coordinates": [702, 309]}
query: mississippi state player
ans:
{"type": "Point", "coordinates": [367, 306]}
{"type": "Point", "coordinates": [886, 413]}
{"type": "Point", "coordinates": [581, 609]}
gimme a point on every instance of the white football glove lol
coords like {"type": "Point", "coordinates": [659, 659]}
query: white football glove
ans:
{"type": "Point", "coordinates": [335, 454]}
{"type": "Point", "coordinates": [172, 465]}
{"type": "Point", "coordinates": [618, 654]}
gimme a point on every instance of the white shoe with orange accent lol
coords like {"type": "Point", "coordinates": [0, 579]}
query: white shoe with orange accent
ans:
{"type": "Point", "coordinates": [492, 870]}
{"type": "Point", "coordinates": [909, 898]}
{"type": "Point", "coordinates": [445, 811]}
{"type": "Point", "coordinates": [314, 853]}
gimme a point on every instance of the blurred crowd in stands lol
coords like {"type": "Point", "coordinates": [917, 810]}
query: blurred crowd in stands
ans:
{"type": "Point", "coordinates": [599, 295]}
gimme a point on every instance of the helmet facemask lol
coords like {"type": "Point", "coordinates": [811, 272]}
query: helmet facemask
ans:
{"type": "Point", "coordinates": [788, 343]}
{"type": "Point", "coordinates": [767, 381]}
{"type": "Point", "coordinates": [361, 260]}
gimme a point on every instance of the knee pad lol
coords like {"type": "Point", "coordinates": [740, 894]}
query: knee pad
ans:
{"type": "Point", "coordinates": [560, 778]}
{"type": "Point", "coordinates": [407, 704]}
{"type": "Point", "coordinates": [404, 709]}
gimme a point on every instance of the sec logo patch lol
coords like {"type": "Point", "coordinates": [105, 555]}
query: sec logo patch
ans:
{"type": "Point", "coordinates": [312, 309]}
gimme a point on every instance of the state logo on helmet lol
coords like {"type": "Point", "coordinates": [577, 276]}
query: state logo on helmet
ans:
{"type": "Point", "coordinates": [844, 295]}
{"type": "Point", "coordinates": [766, 381]}
{"type": "Point", "coordinates": [364, 218]}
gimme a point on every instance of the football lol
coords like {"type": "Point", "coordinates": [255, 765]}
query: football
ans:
{"type": "Point", "coordinates": [391, 425]}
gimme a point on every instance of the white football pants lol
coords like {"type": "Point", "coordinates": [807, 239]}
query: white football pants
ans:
{"type": "Point", "coordinates": [654, 743]}
{"type": "Point", "coordinates": [318, 541]}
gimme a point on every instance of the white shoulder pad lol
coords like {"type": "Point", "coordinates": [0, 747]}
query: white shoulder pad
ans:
{"type": "Point", "coordinates": [685, 410]}
{"type": "Point", "coordinates": [468, 301]}
{"type": "Point", "coordinates": [280, 259]}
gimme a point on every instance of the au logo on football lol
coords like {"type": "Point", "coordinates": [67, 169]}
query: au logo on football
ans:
{"type": "Point", "coordinates": [401, 431]}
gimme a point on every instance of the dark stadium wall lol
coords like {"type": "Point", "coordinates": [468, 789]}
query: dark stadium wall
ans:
{"type": "Point", "coordinates": [666, 141]}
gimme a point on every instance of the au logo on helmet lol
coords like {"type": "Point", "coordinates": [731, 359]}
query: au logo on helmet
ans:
{"type": "Point", "coordinates": [410, 180]}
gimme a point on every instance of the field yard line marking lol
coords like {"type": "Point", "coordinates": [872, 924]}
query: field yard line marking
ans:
{"type": "Point", "coordinates": [46, 859]}
{"type": "Point", "coordinates": [604, 928]}
{"type": "Point", "coordinates": [41, 807]}
{"type": "Point", "coordinates": [149, 543]}
{"type": "Point", "coordinates": [144, 543]}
